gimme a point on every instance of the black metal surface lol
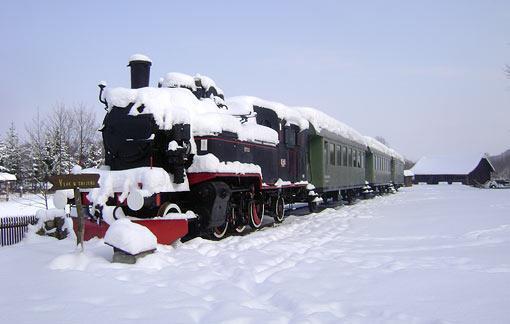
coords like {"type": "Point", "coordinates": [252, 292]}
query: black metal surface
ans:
{"type": "Point", "coordinates": [211, 200]}
{"type": "Point", "coordinates": [140, 74]}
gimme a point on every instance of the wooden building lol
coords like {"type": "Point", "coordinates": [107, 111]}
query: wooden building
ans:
{"type": "Point", "coordinates": [408, 178]}
{"type": "Point", "coordinates": [472, 170]}
{"type": "Point", "coordinates": [6, 181]}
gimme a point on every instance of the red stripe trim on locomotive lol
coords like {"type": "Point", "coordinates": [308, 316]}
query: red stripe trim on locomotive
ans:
{"type": "Point", "coordinates": [292, 185]}
{"type": "Point", "coordinates": [194, 178]}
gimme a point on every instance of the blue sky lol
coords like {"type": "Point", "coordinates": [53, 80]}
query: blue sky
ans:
{"type": "Point", "coordinates": [427, 76]}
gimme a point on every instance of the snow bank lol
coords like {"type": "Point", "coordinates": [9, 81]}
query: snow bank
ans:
{"type": "Point", "coordinates": [322, 121]}
{"type": "Point", "coordinates": [130, 237]}
{"type": "Point", "coordinates": [150, 180]}
{"type": "Point", "coordinates": [244, 105]}
{"type": "Point", "coordinates": [429, 254]}
{"type": "Point", "coordinates": [210, 163]}
{"type": "Point", "coordinates": [49, 214]}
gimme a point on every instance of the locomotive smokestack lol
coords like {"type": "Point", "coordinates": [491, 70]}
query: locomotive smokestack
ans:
{"type": "Point", "coordinates": [140, 71]}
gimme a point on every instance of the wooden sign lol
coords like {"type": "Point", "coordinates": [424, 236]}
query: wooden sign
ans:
{"type": "Point", "coordinates": [73, 181]}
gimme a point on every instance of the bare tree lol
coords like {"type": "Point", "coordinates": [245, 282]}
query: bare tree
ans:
{"type": "Point", "coordinates": [382, 140]}
{"type": "Point", "coordinates": [84, 131]}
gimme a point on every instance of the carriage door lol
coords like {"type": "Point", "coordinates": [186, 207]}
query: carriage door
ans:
{"type": "Point", "coordinates": [290, 145]}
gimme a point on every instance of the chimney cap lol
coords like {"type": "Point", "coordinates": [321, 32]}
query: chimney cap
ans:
{"type": "Point", "coordinates": [139, 58]}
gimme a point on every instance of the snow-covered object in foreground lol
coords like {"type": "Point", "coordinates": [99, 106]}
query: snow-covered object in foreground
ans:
{"type": "Point", "coordinates": [322, 121]}
{"type": "Point", "coordinates": [424, 256]}
{"type": "Point", "coordinates": [43, 215]}
{"type": "Point", "coordinates": [130, 237]}
{"type": "Point", "coordinates": [61, 197]}
{"type": "Point", "coordinates": [244, 105]}
{"type": "Point", "coordinates": [210, 163]}
{"type": "Point", "coordinates": [145, 179]}
{"type": "Point", "coordinates": [111, 214]}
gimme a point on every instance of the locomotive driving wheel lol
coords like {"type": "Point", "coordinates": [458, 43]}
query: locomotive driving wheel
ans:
{"type": "Point", "coordinates": [255, 214]}
{"type": "Point", "coordinates": [236, 224]}
{"type": "Point", "coordinates": [279, 213]}
{"type": "Point", "coordinates": [219, 232]}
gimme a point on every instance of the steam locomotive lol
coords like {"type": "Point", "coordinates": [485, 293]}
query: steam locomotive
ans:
{"type": "Point", "coordinates": [181, 148]}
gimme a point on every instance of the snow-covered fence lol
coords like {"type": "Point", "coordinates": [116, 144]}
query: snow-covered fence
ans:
{"type": "Point", "coordinates": [12, 229]}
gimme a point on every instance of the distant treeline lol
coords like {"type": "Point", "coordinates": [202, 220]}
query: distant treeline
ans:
{"type": "Point", "coordinates": [502, 164]}
{"type": "Point", "coordinates": [65, 137]}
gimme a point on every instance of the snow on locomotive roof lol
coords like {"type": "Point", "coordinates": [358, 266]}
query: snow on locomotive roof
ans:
{"type": "Point", "coordinates": [176, 79]}
{"type": "Point", "coordinates": [322, 121]}
{"type": "Point", "coordinates": [170, 106]}
{"type": "Point", "coordinates": [207, 82]}
{"type": "Point", "coordinates": [244, 105]}
{"type": "Point", "coordinates": [139, 57]}
{"type": "Point", "coordinates": [375, 144]}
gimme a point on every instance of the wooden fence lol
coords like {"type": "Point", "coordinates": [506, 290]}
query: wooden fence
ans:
{"type": "Point", "coordinates": [12, 229]}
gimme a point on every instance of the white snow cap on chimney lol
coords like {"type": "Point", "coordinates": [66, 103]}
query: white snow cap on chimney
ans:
{"type": "Point", "coordinates": [139, 57]}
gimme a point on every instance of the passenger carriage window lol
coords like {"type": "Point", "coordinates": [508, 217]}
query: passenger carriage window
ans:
{"type": "Point", "coordinates": [359, 159]}
{"type": "Point", "coordinates": [338, 155]}
{"type": "Point", "coordinates": [325, 158]}
{"type": "Point", "coordinates": [331, 153]}
{"type": "Point", "coordinates": [344, 156]}
{"type": "Point", "coordinates": [350, 157]}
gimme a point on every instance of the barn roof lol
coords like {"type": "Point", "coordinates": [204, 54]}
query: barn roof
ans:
{"type": "Point", "coordinates": [448, 164]}
{"type": "Point", "coordinates": [4, 176]}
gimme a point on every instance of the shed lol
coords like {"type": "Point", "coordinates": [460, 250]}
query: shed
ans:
{"type": "Point", "coordinates": [5, 183]}
{"type": "Point", "coordinates": [469, 170]}
{"type": "Point", "coordinates": [408, 178]}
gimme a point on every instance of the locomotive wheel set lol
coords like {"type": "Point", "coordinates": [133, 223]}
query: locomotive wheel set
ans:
{"type": "Point", "coordinates": [181, 159]}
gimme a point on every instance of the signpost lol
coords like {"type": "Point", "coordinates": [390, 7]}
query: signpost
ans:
{"type": "Point", "coordinates": [75, 182]}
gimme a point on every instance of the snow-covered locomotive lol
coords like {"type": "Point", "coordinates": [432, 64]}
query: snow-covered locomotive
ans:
{"type": "Point", "coordinates": [181, 151]}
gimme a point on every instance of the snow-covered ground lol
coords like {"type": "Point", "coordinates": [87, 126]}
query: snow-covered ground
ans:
{"type": "Point", "coordinates": [428, 254]}
{"type": "Point", "coordinates": [23, 206]}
